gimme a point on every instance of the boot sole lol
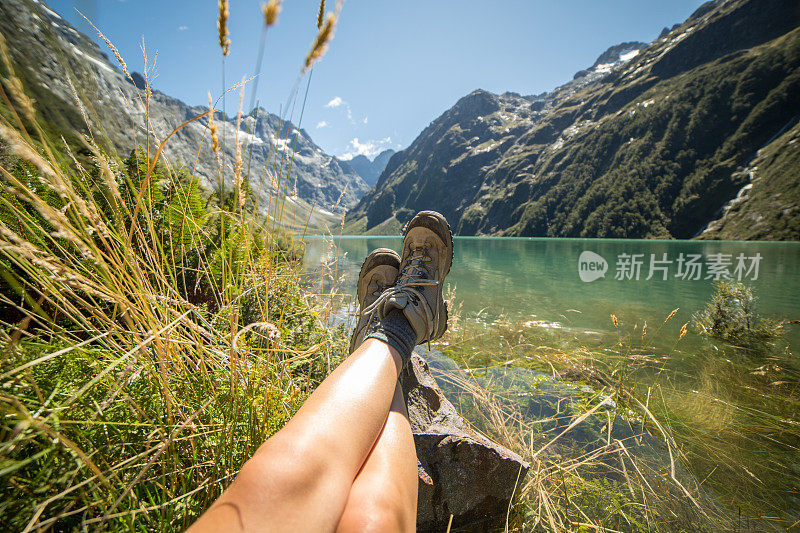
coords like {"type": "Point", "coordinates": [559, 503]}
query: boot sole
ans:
{"type": "Point", "coordinates": [435, 222]}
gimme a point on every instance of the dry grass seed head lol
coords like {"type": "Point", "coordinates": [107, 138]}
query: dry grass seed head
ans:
{"type": "Point", "coordinates": [107, 173]}
{"type": "Point", "coordinates": [110, 47]}
{"type": "Point", "coordinates": [212, 127]}
{"type": "Point", "coordinates": [12, 243]}
{"type": "Point", "coordinates": [237, 166]}
{"type": "Point", "coordinates": [18, 93]}
{"type": "Point", "coordinates": [57, 218]}
{"type": "Point", "coordinates": [23, 149]}
{"type": "Point", "coordinates": [321, 14]}
{"type": "Point", "coordinates": [321, 42]}
{"type": "Point", "coordinates": [78, 103]}
{"type": "Point", "coordinates": [672, 314]}
{"type": "Point", "coordinates": [15, 85]}
{"type": "Point", "coordinates": [271, 11]}
{"type": "Point", "coordinates": [222, 27]}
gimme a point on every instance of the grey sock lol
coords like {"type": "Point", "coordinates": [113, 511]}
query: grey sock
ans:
{"type": "Point", "coordinates": [395, 330]}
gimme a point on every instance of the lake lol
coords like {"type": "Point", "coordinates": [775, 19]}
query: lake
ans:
{"type": "Point", "coordinates": [546, 305]}
{"type": "Point", "coordinates": [539, 280]}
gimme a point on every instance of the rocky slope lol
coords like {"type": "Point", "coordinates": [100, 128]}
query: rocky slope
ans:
{"type": "Point", "coordinates": [48, 54]}
{"type": "Point", "coordinates": [768, 206]}
{"type": "Point", "coordinates": [370, 171]}
{"type": "Point", "coordinates": [642, 144]}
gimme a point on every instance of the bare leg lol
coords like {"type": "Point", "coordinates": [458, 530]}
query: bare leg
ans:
{"type": "Point", "coordinates": [300, 478]}
{"type": "Point", "coordinates": [384, 494]}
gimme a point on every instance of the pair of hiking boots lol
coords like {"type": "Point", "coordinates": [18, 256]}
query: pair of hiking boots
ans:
{"type": "Point", "coordinates": [411, 283]}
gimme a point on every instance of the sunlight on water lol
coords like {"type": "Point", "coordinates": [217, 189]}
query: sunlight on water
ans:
{"type": "Point", "coordinates": [538, 281]}
{"type": "Point", "coordinates": [546, 305]}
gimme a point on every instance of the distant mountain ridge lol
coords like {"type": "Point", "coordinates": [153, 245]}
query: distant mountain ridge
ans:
{"type": "Point", "coordinates": [370, 171]}
{"type": "Point", "coordinates": [651, 141]}
{"type": "Point", "coordinates": [48, 52]}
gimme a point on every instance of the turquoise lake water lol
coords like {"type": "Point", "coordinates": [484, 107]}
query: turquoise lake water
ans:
{"type": "Point", "coordinates": [570, 287]}
{"type": "Point", "coordinates": [538, 280]}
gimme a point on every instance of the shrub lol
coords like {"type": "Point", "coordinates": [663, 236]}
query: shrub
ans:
{"type": "Point", "coordinates": [731, 316]}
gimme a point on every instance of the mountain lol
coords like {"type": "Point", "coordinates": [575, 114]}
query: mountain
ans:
{"type": "Point", "coordinates": [768, 206]}
{"type": "Point", "coordinates": [371, 170]}
{"type": "Point", "coordinates": [650, 142]}
{"type": "Point", "coordinates": [49, 55]}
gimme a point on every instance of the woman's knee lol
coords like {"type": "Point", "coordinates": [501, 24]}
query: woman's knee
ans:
{"type": "Point", "coordinates": [376, 513]}
{"type": "Point", "coordinates": [284, 470]}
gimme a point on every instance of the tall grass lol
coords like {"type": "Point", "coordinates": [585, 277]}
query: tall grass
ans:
{"type": "Point", "coordinates": [153, 333]}
{"type": "Point", "coordinates": [626, 434]}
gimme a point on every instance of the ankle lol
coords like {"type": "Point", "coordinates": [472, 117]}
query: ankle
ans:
{"type": "Point", "coordinates": [396, 331]}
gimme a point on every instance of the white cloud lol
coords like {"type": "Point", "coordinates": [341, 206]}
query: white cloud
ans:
{"type": "Point", "coordinates": [183, 28]}
{"type": "Point", "coordinates": [322, 124]}
{"type": "Point", "coordinates": [338, 102]}
{"type": "Point", "coordinates": [369, 148]}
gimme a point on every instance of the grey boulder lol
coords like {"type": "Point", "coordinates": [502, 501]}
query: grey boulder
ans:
{"type": "Point", "coordinates": [461, 472]}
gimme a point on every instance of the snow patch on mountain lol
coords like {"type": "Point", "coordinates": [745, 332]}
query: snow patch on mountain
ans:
{"type": "Point", "coordinates": [93, 60]}
{"type": "Point", "coordinates": [50, 12]}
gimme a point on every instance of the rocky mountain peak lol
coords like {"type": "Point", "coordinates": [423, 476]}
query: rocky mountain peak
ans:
{"type": "Point", "coordinates": [645, 143]}
{"type": "Point", "coordinates": [612, 58]}
{"type": "Point", "coordinates": [370, 170]}
{"type": "Point", "coordinates": [619, 53]}
{"type": "Point", "coordinates": [49, 51]}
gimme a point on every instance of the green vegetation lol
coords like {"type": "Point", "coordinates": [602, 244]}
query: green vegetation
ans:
{"type": "Point", "coordinates": [770, 209]}
{"type": "Point", "coordinates": [653, 150]}
{"type": "Point", "coordinates": [390, 226]}
{"type": "Point", "coordinates": [632, 430]}
{"type": "Point", "coordinates": [731, 316]}
{"type": "Point", "coordinates": [154, 333]}
{"type": "Point", "coordinates": [152, 353]}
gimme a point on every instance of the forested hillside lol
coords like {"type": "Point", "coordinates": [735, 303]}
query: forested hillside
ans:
{"type": "Point", "coordinates": [652, 145]}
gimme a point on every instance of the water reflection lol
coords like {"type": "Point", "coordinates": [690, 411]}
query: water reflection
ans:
{"type": "Point", "coordinates": [538, 279]}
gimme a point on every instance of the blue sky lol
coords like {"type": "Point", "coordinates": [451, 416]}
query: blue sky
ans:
{"type": "Point", "coordinates": [393, 66]}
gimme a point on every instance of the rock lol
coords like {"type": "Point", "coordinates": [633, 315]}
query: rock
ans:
{"type": "Point", "coordinates": [460, 471]}
{"type": "Point", "coordinates": [46, 47]}
{"type": "Point", "coordinates": [370, 170]}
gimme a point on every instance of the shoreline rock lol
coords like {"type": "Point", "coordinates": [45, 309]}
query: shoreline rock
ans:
{"type": "Point", "coordinates": [461, 472]}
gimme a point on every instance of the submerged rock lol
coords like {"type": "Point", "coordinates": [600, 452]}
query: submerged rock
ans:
{"type": "Point", "coordinates": [461, 472]}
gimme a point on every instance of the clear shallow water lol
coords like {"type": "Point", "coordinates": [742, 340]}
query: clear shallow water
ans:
{"type": "Point", "coordinates": [734, 422]}
{"type": "Point", "coordinates": [538, 280]}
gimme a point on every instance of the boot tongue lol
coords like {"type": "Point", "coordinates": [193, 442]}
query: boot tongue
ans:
{"type": "Point", "coordinates": [399, 301]}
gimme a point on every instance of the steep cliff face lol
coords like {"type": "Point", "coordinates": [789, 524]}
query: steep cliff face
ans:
{"type": "Point", "coordinates": [51, 58]}
{"type": "Point", "coordinates": [370, 170]}
{"type": "Point", "coordinates": [768, 205]}
{"type": "Point", "coordinates": [648, 142]}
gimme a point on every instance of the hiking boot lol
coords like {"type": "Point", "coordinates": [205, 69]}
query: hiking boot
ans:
{"type": "Point", "coordinates": [426, 260]}
{"type": "Point", "coordinates": [378, 272]}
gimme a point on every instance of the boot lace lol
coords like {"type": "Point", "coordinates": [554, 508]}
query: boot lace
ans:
{"type": "Point", "coordinates": [410, 284]}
